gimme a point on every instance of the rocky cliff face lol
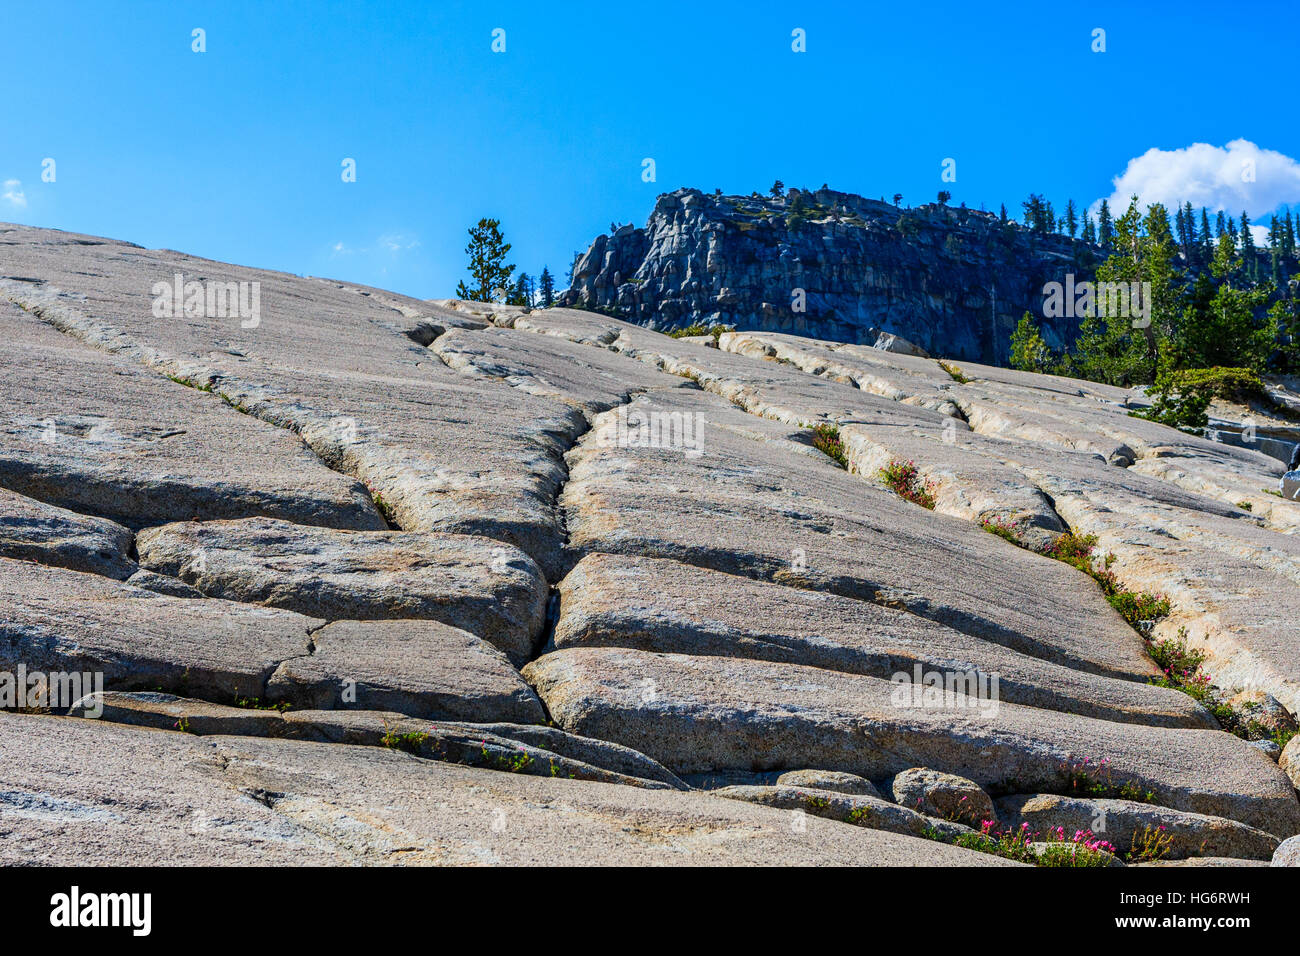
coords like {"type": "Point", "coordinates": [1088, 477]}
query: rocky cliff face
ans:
{"type": "Point", "coordinates": [953, 280]}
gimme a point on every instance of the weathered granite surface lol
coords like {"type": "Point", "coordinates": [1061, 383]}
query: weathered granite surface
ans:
{"type": "Point", "coordinates": [551, 568]}
{"type": "Point", "coordinates": [706, 713]}
{"type": "Point", "coordinates": [163, 798]}
{"type": "Point", "coordinates": [474, 583]}
{"type": "Point", "coordinates": [420, 668]}
{"type": "Point", "coordinates": [97, 433]}
{"type": "Point", "coordinates": [547, 751]}
{"type": "Point", "coordinates": [653, 604]}
{"type": "Point", "coordinates": [35, 531]}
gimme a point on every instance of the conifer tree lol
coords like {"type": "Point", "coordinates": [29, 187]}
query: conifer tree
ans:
{"type": "Point", "coordinates": [1105, 226]}
{"type": "Point", "coordinates": [1248, 256]}
{"type": "Point", "coordinates": [1089, 234]}
{"type": "Point", "coordinates": [522, 294]}
{"type": "Point", "coordinates": [546, 288]}
{"type": "Point", "coordinates": [487, 251]}
{"type": "Point", "coordinates": [1123, 349]}
{"type": "Point", "coordinates": [1029, 351]}
{"type": "Point", "coordinates": [1221, 323]}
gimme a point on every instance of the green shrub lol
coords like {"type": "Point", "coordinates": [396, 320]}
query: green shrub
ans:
{"type": "Point", "coordinates": [955, 373]}
{"type": "Point", "coordinates": [1084, 849]}
{"type": "Point", "coordinates": [697, 329]}
{"type": "Point", "coordinates": [1230, 384]}
{"type": "Point", "coordinates": [1150, 845]}
{"type": "Point", "coordinates": [1009, 530]}
{"type": "Point", "coordinates": [1087, 779]}
{"type": "Point", "coordinates": [407, 743]}
{"type": "Point", "coordinates": [905, 481]}
{"type": "Point", "coordinates": [1181, 398]}
{"type": "Point", "coordinates": [1140, 609]}
{"type": "Point", "coordinates": [826, 439]}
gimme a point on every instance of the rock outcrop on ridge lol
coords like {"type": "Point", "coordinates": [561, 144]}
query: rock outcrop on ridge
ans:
{"type": "Point", "coordinates": [383, 581]}
{"type": "Point", "coordinates": [952, 281]}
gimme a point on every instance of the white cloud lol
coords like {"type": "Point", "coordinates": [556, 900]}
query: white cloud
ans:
{"type": "Point", "coordinates": [396, 242]}
{"type": "Point", "coordinates": [13, 193]}
{"type": "Point", "coordinates": [1236, 177]}
{"type": "Point", "coordinates": [391, 243]}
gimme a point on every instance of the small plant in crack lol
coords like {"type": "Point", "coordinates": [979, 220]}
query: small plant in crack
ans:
{"type": "Point", "coordinates": [409, 742]}
{"type": "Point", "coordinates": [384, 508]}
{"type": "Point", "coordinates": [1150, 845]}
{"type": "Point", "coordinates": [236, 404]}
{"type": "Point", "coordinates": [861, 816]}
{"type": "Point", "coordinates": [1140, 609]}
{"type": "Point", "coordinates": [1084, 849]}
{"type": "Point", "coordinates": [1084, 778]}
{"type": "Point", "coordinates": [903, 478]}
{"type": "Point", "coordinates": [1004, 528]}
{"type": "Point", "coordinates": [190, 383]}
{"type": "Point", "coordinates": [956, 374]}
{"type": "Point", "coordinates": [1182, 667]}
{"type": "Point", "coordinates": [826, 439]}
{"type": "Point", "coordinates": [255, 703]}
{"type": "Point", "coordinates": [517, 762]}
{"type": "Point", "coordinates": [817, 804]}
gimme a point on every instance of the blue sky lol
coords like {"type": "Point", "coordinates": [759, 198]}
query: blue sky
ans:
{"type": "Point", "coordinates": [236, 153]}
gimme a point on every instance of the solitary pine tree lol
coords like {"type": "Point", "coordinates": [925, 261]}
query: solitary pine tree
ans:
{"type": "Point", "coordinates": [487, 251]}
{"type": "Point", "coordinates": [546, 287]}
{"type": "Point", "coordinates": [1071, 218]}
